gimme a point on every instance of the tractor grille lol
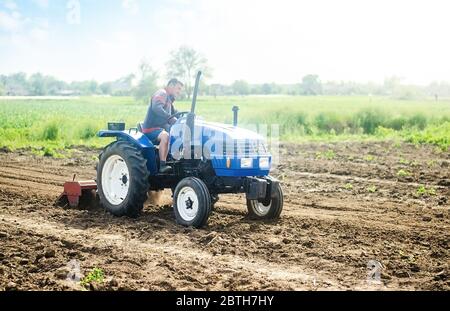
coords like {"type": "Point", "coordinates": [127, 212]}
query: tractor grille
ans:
{"type": "Point", "coordinates": [243, 147]}
{"type": "Point", "coordinates": [251, 147]}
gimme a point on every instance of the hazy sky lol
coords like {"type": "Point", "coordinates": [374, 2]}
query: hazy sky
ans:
{"type": "Point", "coordinates": [259, 41]}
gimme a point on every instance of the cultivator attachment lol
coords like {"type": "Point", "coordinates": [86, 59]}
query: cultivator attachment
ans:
{"type": "Point", "coordinates": [76, 192]}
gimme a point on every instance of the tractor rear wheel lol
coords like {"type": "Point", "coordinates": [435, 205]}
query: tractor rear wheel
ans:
{"type": "Point", "coordinates": [270, 209]}
{"type": "Point", "coordinates": [122, 179]}
{"type": "Point", "coordinates": [192, 202]}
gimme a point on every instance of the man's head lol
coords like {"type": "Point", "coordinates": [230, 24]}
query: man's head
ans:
{"type": "Point", "coordinates": [174, 87]}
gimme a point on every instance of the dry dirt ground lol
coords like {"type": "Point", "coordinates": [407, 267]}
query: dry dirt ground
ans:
{"type": "Point", "coordinates": [342, 209]}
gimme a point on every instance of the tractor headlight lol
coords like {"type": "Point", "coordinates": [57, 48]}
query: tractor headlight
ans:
{"type": "Point", "coordinates": [246, 163]}
{"type": "Point", "coordinates": [264, 163]}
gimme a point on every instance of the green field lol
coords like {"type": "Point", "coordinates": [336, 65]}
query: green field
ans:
{"type": "Point", "coordinates": [49, 125]}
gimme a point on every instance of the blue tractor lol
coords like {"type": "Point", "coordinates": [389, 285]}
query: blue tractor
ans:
{"type": "Point", "coordinates": [208, 159]}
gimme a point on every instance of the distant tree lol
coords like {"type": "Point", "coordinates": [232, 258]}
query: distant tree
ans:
{"type": "Point", "coordinates": [106, 88]}
{"type": "Point", "coordinates": [311, 85]}
{"type": "Point", "coordinates": [407, 92]}
{"type": "Point", "coordinates": [147, 84]}
{"type": "Point", "coordinates": [438, 89]}
{"type": "Point", "coordinates": [275, 88]}
{"type": "Point", "coordinates": [17, 84]}
{"type": "Point", "coordinates": [84, 87]}
{"type": "Point", "coordinates": [256, 89]}
{"type": "Point", "coordinates": [241, 87]}
{"type": "Point", "coordinates": [92, 87]}
{"type": "Point", "coordinates": [184, 64]}
{"type": "Point", "coordinates": [53, 85]}
{"type": "Point", "coordinates": [215, 90]}
{"type": "Point", "coordinates": [2, 89]}
{"type": "Point", "coordinates": [37, 85]}
{"type": "Point", "coordinates": [391, 84]}
{"type": "Point", "coordinates": [266, 89]}
{"type": "Point", "coordinates": [123, 86]}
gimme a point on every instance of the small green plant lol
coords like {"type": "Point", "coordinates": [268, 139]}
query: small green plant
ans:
{"type": "Point", "coordinates": [88, 131]}
{"type": "Point", "coordinates": [431, 163]}
{"type": "Point", "coordinates": [403, 173]}
{"type": "Point", "coordinates": [95, 275]}
{"type": "Point", "coordinates": [438, 150]}
{"type": "Point", "coordinates": [369, 158]}
{"type": "Point", "coordinates": [348, 186]}
{"type": "Point", "coordinates": [51, 131]}
{"type": "Point", "coordinates": [411, 259]}
{"type": "Point", "coordinates": [48, 151]}
{"type": "Point", "coordinates": [328, 155]}
{"type": "Point", "coordinates": [423, 191]}
{"type": "Point", "coordinates": [370, 119]}
{"type": "Point", "coordinates": [372, 189]}
{"type": "Point", "coordinates": [403, 161]}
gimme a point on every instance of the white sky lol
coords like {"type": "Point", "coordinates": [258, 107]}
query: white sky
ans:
{"type": "Point", "coordinates": [259, 41]}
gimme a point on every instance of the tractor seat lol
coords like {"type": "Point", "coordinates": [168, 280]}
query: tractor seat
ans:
{"type": "Point", "coordinates": [140, 126]}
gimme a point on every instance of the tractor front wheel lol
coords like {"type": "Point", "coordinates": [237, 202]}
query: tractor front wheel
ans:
{"type": "Point", "coordinates": [270, 209]}
{"type": "Point", "coordinates": [192, 202]}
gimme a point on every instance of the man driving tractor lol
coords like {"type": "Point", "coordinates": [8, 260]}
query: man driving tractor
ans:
{"type": "Point", "coordinates": [157, 121]}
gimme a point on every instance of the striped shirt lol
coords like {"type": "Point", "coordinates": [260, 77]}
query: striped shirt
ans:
{"type": "Point", "coordinates": [160, 109]}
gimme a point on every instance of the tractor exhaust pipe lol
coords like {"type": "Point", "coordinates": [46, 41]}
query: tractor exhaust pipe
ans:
{"type": "Point", "coordinates": [194, 96]}
{"type": "Point", "coordinates": [235, 115]}
{"type": "Point", "coordinates": [188, 136]}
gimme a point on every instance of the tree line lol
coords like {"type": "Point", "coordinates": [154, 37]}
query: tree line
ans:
{"type": "Point", "coordinates": [184, 62]}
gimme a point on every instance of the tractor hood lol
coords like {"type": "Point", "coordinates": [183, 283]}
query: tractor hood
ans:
{"type": "Point", "coordinates": [210, 134]}
{"type": "Point", "coordinates": [229, 130]}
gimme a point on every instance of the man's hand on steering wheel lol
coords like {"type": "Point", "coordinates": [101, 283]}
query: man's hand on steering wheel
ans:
{"type": "Point", "coordinates": [173, 118]}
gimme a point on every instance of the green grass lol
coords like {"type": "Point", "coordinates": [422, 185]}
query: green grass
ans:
{"type": "Point", "coordinates": [60, 124]}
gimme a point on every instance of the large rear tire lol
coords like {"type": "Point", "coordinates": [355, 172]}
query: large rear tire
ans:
{"type": "Point", "coordinates": [122, 179]}
{"type": "Point", "coordinates": [192, 202]}
{"type": "Point", "coordinates": [267, 210]}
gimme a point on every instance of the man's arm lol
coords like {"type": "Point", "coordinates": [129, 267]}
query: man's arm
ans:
{"type": "Point", "coordinates": [174, 111]}
{"type": "Point", "coordinates": [158, 107]}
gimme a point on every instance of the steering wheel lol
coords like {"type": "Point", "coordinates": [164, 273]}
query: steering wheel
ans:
{"type": "Point", "coordinates": [178, 114]}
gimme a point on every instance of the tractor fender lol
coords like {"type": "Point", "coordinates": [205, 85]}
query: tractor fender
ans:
{"type": "Point", "coordinates": [139, 140]}
{"type": "Point", "coordinates": [136, 138]}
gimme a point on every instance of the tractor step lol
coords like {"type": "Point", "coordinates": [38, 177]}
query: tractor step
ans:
{"type": "Point", "coordinates": [74, 190]}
